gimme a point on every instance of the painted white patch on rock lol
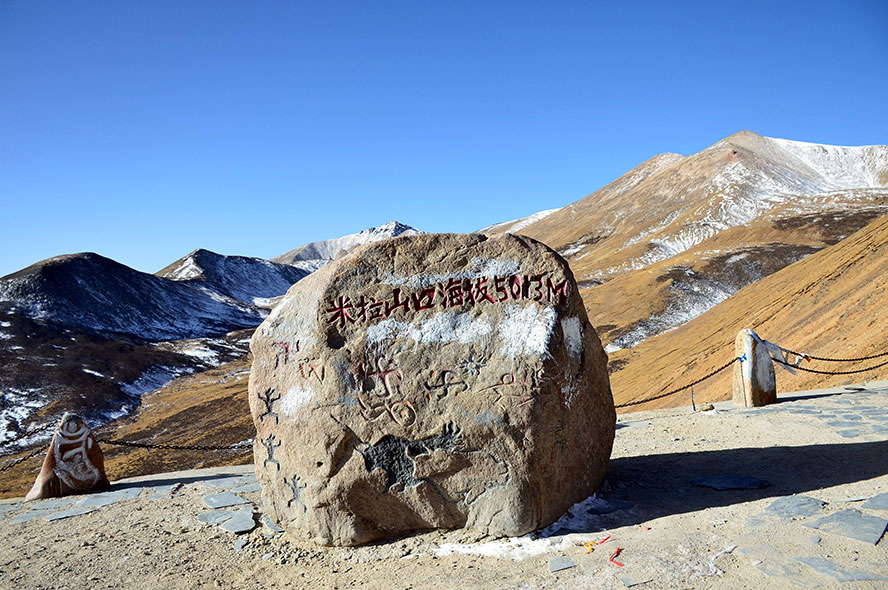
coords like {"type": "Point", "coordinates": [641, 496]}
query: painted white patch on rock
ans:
{"type": "Point", "coordinates": [569, 391]}
{"type": "Point", "coordinates": [481, 267]}
{"type": "Point", "coordinates": [442, 327]}
{"type": "Point", "coordinates": [573, 337]}
{"type": "Point", "coordinates": [302, 325]}
{"type": "Point", "coordinates": [295, 398]}
{"type": "Point", "coordinates": [451, 327]}
{"type": "Point", "coordinates": [526, 330]}
{"type": "Point", "coordinates": [386, 330]}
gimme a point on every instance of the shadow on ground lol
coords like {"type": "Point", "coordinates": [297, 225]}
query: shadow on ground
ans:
{"type": "Point", "coordinates": [660, 485]}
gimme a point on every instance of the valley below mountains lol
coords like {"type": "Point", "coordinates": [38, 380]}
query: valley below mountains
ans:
{"type": "Point", "coordinates": [672, 259]}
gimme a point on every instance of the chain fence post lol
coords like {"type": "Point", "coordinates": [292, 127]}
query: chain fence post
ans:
{"type": "Point", "coordinates": [754, 381]}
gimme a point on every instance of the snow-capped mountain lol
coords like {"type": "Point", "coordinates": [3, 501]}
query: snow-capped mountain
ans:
{"type": "Point", "coordinates": [651, 248]}
{"type": "Point", "coordinates": [313, 256]}
{"type": "Point", "coordinates": [91, 293]}
{"type": "Point", "coordinates": [247, 280]}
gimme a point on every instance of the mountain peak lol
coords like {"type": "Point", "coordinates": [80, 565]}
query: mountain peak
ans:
{"type": "Point", "coordinates": [314, 255]}
{"type": "Point", "coordinates": [396, 228]}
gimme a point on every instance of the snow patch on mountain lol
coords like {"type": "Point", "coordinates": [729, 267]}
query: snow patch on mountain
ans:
{"type": "Point", "coordinates": [516, 225]}
{"type": "Point", "coordinates": [695, 301]}
{"type": "Point", "coordinates": [184, 269]}
{"type": "Point", "coordinates": [314, 255]}
{"type": "Point", "coordinates": [154, 377]}
{"type": "Point", "coordinates": [233, 280]}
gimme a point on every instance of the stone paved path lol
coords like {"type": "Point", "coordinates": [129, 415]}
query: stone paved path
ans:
{"type": "Point", "coordinates": [806, 505]}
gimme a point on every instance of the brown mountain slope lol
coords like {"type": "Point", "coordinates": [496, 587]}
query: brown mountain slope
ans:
{"type": "Point", "coordinates": [650, 250]}
{"type": "Point", "coordinates": [831, 304]}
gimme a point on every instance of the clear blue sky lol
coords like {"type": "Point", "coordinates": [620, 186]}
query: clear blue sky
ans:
{"type": "Point", "coordinates": [143, 130]}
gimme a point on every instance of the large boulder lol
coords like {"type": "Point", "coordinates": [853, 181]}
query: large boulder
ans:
{"type": "Point", "coordinates": [429, 381]}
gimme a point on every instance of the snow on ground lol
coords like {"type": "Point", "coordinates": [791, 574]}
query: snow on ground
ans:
{"type": "Point", "coordinates": [558, 536]}
{"type": "Point", "coordinates": [154, 377]}
{"type": "Point", "coordinates": [91, 372]}
{"type": "Point", "coordinates": [203, 353]}
{"type": "Point", "coordinates": [16, 407]}
{"type": "Point", "coordinates": [694, 300]}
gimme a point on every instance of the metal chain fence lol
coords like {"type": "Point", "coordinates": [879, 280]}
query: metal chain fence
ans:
{"type": "Point", "coordinates": [688, 386]}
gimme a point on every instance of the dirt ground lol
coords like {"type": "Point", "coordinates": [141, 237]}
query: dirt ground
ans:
{"type": "Point", "coordinates": [669, 531]}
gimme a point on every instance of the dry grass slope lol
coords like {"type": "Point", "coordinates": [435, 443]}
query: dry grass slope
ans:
{"type": "Point", "coordinates": [831, 304]}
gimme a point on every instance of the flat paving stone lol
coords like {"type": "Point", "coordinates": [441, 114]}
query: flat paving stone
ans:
{"type": "Point", "coordinates": [226, 483]}
{"type": "Point", "coordinates": [239, 544]}
{"type": "Point", "coordinates": [839, 574]}
{"type": "Point", "coordinates": [731, 482]}
{"type": "Point", "coordinates": [67, 513]}
{"type": "Point", "coordinates": [242, 522]}
{"type": "Point", "coordinates": [272, 526]}
{"type": "Point", "coordinates": [164, 491]}
{"type": "Point", "coordinates": [791, 507]}
{"type": "Point", "coordinates": [7, 508]}
{"type": "Point", "coordinates": [216, 516]}
{"type": "Point", "coordinates": [855, 499]}
{"type": "Point", "coordinates": [634, 579]}
{"type": "Point", "coordinates": [108, 498]}
{"type": "Point", "coordinates": [248, 488]}
{"type": "Point", "coordinates": [849, 433]}
{"type": "Point", "coordinates": [793, 572]}
{"type": "Point", "coordinates": [30, 515]}
{"type": "Point", "coordinates": [879, 502]}
{"type": "Point", "coordinates": [223, 500]}
{"type": "Point", "coordinates": [556, 564]}
{"type": "Point", "coordinates": [853, 524]}
{"type": "Point", "coordinates": [842, 424]}
{"type": "Point", "coordinates": [52, 504]}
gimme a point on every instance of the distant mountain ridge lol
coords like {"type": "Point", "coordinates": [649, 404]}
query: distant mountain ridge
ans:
{"type": "Point", "coordinates": [96, 294]}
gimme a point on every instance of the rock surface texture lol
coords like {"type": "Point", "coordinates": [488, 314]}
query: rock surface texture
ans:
{"type": "Point", "coordinates": [431, 381]}
{"type": "Point", "coordinates": [74, 462]}
{"type": "Point", "coordinates": [754, 381]}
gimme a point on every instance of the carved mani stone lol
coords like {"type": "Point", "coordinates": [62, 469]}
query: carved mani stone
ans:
{"type": "Point", "coordinates": [754, 381]}
{"type": "Point", "coordinates": [74, 462]}
{"type": "Point", "coordinates": [442, 381]}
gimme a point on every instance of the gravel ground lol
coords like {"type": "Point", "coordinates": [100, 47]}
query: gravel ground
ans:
{"type": "Point", "coordinates": [823, 455]}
